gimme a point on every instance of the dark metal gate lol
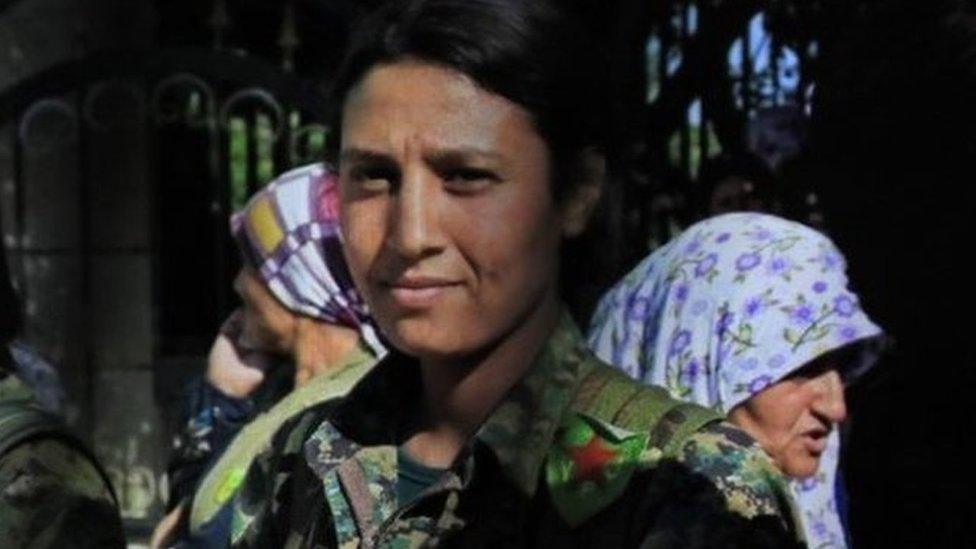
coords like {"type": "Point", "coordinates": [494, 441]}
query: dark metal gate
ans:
{"type": "Point", "coordinates": [119, 173]}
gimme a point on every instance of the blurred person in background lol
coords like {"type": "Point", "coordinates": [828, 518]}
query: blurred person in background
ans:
{"type": "Point", "coordinates": [300, 336]}
{"type": "Point", "coordinates": [739, 182]}
{"type": "Point", "coordinates": [658, 206]}
{"type": "Point", "coordinates": [53, 492]}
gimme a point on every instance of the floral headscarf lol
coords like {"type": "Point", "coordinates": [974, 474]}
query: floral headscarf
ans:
{"type": "Point", "coordinates": [288, 233]}
{"type": "Point", "coordinates": [732, 305]}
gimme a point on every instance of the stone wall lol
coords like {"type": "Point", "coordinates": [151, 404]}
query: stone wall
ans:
{"type": "Point", "coordinates": [77, 228]}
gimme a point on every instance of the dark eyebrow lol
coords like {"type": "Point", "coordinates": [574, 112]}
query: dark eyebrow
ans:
{"type": "Point", "coordinates": [460, 156]}
{"type": "Point", "coordinates": [354, 155]}
{"type": "Point", "coordinates": [447, 156]}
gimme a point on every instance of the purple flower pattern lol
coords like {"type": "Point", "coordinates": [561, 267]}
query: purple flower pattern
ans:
{"type": "Point", "coordinates": [753, 307]}
{"type": "Point", "coordinates": [689, 374]}
{"type": "Point", "coordinates": [778, 266]}
{"type": "Point", "coordinates": [681, 292]}
{"type": "Point", "coordinates": [845, 305]}
{"type": "Point", "coordinates": [638, 307]}
{"type": "Point", "coordinates": [680, 342]}
{"type": "Point", "coordinates": [747, 261]}
{"type": "Point", "coordinates": [828, 258]}
{"type": "Point", "coordinates": [802, 315]}
{"type": "Point", "coordinates": [759, 383]}
{"type": "Point", "coordinates": [706, 265]}
{"type": "Point", "coordinates": [848, 333]}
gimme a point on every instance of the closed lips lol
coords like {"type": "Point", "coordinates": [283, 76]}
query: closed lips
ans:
{"type": "Point", "coordinates": [421, 283]}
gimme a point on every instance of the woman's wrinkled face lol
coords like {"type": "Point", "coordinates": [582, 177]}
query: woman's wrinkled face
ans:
{"type": "Point", "coordinates": [450, 229]}
{"type": "Point", "coordinates": [792, 418]}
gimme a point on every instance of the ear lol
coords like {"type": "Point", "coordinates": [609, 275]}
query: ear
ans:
{"type": "Point", "coordinates": [578, 205]}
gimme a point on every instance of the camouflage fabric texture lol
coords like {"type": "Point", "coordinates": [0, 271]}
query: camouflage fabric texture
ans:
{"type": "Point", "coordinates": [575, 456]}
{"type": "Point", "coordinates": [51, 494]}
{"type": "Point", "coordinates": [220, 483]}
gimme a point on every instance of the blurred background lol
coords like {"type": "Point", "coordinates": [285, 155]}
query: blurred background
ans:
{"type": "Point", "coordinates": [130, 129]}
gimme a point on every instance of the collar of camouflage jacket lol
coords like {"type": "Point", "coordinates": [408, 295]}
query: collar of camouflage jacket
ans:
{"type": "Point", "coordinates": [355, 451]}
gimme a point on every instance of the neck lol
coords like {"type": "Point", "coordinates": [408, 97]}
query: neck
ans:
{"type": "Point", "coordinates": [320, 347]}
{"type": "Point", "coordinates": [460, 394]}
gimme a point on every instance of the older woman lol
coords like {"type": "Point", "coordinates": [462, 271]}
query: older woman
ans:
{"type": "Point", "coordinates": [469, 157]}
{"type": "Point", "coordinates": [750, 314]}
{"type": "Point", "coordinates": [301, 335]}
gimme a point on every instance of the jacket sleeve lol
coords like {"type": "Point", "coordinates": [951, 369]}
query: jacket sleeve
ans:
{"type": "Point", "coordinates": [743, 473]}
{"type": "Point", "coordinates": [741, 495]}
{"type": "Point", "coordinates": [280, 499]}
{"type": "Point", "coordinates": [256, 504]}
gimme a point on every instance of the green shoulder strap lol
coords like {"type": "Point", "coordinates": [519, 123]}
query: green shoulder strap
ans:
{"type": "Point", "coordinates": [617, 427]}
{"type": "Point", "coordinates": [222, 481]}
{"type": "Point", "coordinates": [21, 422]}
{"type": "Point", "coordinates": [610, 396]}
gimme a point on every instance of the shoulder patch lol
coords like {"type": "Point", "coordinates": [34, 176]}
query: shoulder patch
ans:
{"type": "Point", "coordinates": [590, 465]}
{"type": "Point", "coordinates": [618, 427]}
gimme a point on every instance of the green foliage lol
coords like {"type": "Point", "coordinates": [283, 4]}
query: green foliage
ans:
{"type": "Point", "coordinates": [264, 148]}
{"type": "Point", "coordinates": [237, 162]}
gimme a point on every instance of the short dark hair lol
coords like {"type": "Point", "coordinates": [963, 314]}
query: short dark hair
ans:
{"type": "Point", "coordinates": [535, 53]}
{"type": "Point", "coordinates": [538, 54]}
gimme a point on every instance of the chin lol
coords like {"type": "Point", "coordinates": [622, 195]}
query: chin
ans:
{"type": "Point", "coordinates": [801, 468]}
{"type": "Point", "coordinates": [423, 338]}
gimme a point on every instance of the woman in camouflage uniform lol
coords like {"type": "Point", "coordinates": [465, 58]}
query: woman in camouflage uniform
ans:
{"type": "Point", "coordinates": [470, 157]}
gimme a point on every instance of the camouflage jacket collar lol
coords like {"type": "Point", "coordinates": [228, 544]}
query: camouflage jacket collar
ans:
{"type": "Point", "coordinates": [354, 452]}
{"type": "Point", "coordinates": [534, 409]}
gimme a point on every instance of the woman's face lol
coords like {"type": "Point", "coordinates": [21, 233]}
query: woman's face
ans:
{"type": "Point", "coordinates": [792, 418]}
{"type": "Point", "coordinates": [449, 225]}
{"type": "Point", "coordinates": [262, 324]}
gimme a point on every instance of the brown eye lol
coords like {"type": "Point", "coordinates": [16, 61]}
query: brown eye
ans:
{"type": "Point", "coordinates": [374, 179]}
{"type": "Point", "coordinates": [464, 180]}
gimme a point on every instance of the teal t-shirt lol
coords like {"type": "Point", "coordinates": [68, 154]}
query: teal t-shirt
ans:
{"type": "Point", "coordinates": [413, 477]}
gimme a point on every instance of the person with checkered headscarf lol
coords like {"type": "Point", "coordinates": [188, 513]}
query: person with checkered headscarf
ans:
{"type": "Point", "coordinates": [302, 334]}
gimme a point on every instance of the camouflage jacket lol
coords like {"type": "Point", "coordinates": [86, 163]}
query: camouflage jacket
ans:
{"type": "Point", "coordinates": [554, 465]}
{"type": "Point", "coordinates": [218, 485]}
{"type": "Point", "coordinates": [51, 493]}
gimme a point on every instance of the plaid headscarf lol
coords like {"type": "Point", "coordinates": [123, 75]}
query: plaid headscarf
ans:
{"type": "Point", "coordinates": [288, 233]}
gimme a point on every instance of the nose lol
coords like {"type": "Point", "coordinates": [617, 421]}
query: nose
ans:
{"type": "Point", "coordinates": [830, 401]}
{"type": "Point", "coordinates": [414, 229]}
